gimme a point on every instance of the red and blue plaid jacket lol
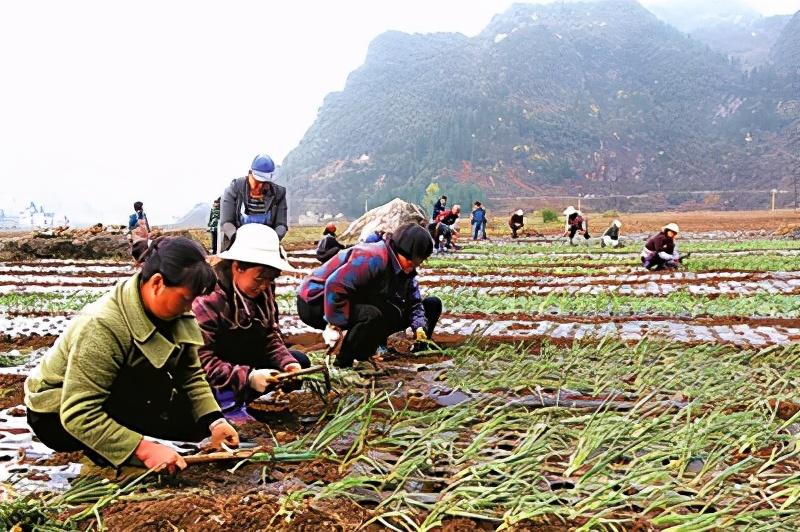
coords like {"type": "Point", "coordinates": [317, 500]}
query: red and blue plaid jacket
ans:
{"type": "Point", "coordinates": [361, 274]}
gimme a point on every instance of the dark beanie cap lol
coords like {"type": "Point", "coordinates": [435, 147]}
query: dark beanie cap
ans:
{"type": "Point", "coordinates": [412, 241]}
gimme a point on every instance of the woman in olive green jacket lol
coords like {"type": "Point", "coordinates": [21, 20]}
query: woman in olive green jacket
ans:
{"type": "Point", "coordinates": [128, 367]}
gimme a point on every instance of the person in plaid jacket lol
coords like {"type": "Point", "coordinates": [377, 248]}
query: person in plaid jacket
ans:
{"type": "Point", "coordinates": [371, 291]}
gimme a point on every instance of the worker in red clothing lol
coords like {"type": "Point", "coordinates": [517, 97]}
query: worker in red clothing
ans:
{"type": "Point", "coordinates": [575, 224]}
{"type": "Point", "coordinates": [443, 228]}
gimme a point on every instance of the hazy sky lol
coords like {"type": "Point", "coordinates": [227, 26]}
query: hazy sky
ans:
{"type": "Point", "coordinates": [103, 102]}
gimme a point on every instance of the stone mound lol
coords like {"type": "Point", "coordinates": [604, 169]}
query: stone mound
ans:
{"type": "Point", "coordinates": [386, 218]}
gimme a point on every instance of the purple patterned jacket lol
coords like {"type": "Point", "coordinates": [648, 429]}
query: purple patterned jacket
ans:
{"type": "Point", "coordinates": [230, 349]}
{"type": "Point", "coordinates": [363, 273]}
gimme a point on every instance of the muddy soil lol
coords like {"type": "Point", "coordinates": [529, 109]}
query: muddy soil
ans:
{"type": "Point", "coordinates": [35, 341]}
{"type": "Point", "coordinates": [12, 392]}
{"type": "Point", "coordinates": [248, 510]}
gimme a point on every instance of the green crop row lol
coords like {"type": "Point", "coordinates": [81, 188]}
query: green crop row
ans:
{"type": "Point", "coordinates": [46, 301]}
{"type": "Point", "coordinates": [677, 304]}
{"type": "Point", "coordinates": [588, 262]}
{"type": "Point", "coordinates": [632, 247]}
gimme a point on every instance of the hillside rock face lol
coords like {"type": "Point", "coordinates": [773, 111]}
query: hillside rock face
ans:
{"type": "Point", "coordinates": [591, 98]}
{"type": "Point", "coordinates": [786, 52]}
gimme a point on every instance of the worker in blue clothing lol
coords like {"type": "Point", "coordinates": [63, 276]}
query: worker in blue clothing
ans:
{"type": "Point", "coordinates": [478, 221]}
{"type": "Point", "coordinates": [138, 214]}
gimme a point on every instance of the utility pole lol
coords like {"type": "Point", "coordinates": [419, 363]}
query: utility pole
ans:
{"type": "Point", "coordinates": [774, 191]}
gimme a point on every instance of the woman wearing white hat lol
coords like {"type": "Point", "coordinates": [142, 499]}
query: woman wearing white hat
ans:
{"type": "Point", "coordinates": [611, 235]}
{"type": "Point", "coordinates": [575, 223]}
{"type": "Point", "coordinates": [516, 222]}
{"type": "Point", "coordinates": [660, 252]}
{"type": "Point", "coordinates": [243, 348]}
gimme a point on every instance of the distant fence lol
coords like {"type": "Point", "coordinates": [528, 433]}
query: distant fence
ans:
{"type": "Point", "coordinates": [684, 200]}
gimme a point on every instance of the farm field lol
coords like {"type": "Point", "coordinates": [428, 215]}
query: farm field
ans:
{"type": "Point", "coordinates": [570, 389]}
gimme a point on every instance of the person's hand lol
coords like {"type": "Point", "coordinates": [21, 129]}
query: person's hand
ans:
{"type": "Point", "coordinates": [420, 334]}
{"type": "Point", "coordinates": [259, 379]}
{"type": "Point", "coordinates": [223, 432]}
{"type": "Point", "coordinates": [156, 456]}
{"type": "Point", "coordinates": [291, 368]}
{"type": "Point", "coordinates": [331, 335]}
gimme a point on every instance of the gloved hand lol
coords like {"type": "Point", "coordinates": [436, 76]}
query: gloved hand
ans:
{"type": "Point", "coordinates": [421, 336]}
{"type": "Point", "coordinates": [259, 379]}
{"type": "Point", "coordinates": [156, 456]}
{"type": "Point", "coordinates": [331, 335]}
{"type": "Point", "coordinates": [222, 431]}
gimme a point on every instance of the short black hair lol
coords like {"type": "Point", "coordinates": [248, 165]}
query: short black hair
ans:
{"type": "Point", "coordinates": [477, 203]}
{"type": "Point", "coordinates": [181, 262]}
{"type": "Point", "coordinates": [444, 197]}
{"type": "Point", "coordinates": [137, 206]}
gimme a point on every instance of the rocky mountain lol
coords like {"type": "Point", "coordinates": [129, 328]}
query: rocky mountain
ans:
{"type": "Point", "coordinates": [195, 217]}
{"type": "Point", "coordinates": [593, 98]}
{"type": "Point", "coordinates": [691, 15]}
{"type": "Point", "coordinates": [748, 41]}
{"type": "Point", "coordinates": [786, 52]}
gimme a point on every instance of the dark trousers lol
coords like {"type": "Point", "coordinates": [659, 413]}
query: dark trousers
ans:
{"type": "Point", "coordinates": [175, 423]}
{"type": "Point", "coordinates": [514, 229]}
{"type": "Point", "coordinates": [657, 263]}
{"type": "Point", "coordinates": [213, 241]}
{"type": "Point", "coordinates": [479, 230]}
{"type": "Point", "coordinates": [573, 230]}
{"type": "Point", "coordinates": [370, 325]}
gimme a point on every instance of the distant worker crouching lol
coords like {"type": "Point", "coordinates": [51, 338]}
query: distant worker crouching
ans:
{"type": "Point", "coordinates": [443, 228]}
{"type": "Point", "coordinates": [516, 222]}
{"type": "Point", "coordinates": [328, 245]}
{"type": "Point", "coordinates": [575, 224]}
{"type": "Point", "coordinates": [611, 235]}
{"type": "Point", "coordinates": [660, 252]}
{"type": "Point", "coordinates": [253, 199]}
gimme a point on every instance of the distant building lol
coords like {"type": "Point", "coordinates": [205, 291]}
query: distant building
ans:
{"type": "Point", "coordinates": [27, 217]}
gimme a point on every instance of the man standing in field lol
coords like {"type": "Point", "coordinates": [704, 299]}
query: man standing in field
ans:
{"type": "Point", "coordinates": [478, 221]}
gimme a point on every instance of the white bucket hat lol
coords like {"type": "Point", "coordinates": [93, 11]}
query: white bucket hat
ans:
{"type": "Point", "coordinates": [258, 244]}
{"type": "Point", "coordinates": [617, 223]}
{"type": "Point", "coordinates": [520, 212]}
{"type": "Point", "coordinates": [570, 210]}
{"type": "Point", "coordinates": [671, 227]}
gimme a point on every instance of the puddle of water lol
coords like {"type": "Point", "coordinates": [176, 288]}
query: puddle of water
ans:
{"type": "Point", "coordinates": [448, 397]}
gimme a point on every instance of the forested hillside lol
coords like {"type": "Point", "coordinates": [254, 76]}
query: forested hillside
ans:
{"type": "Point", "coordinates": [603, 98]}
